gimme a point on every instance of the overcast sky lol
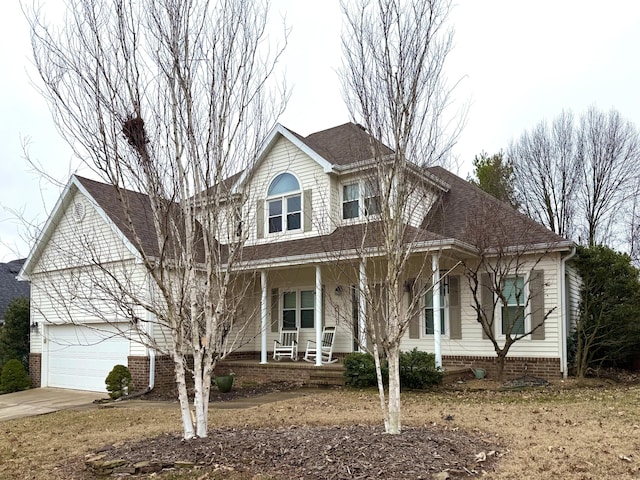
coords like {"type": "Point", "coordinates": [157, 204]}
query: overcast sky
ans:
{"type": "Point", "coordinates": [519, 62]}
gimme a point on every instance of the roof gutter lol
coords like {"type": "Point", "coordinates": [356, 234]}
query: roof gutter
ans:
{"type": "Point", "coordinates": [344, 255]}
{"type": "Point", "coordinates": [372, 162]}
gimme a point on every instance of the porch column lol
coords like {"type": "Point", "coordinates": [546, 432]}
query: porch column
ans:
{"type": "Point", "coordinates": [435, 266]}
{"type": "Point", "coordinates": [318, 316]}
{"type": "Point", "coordinates": [362, 307]}
{"type": "Point", "coordinates": [263, 317]}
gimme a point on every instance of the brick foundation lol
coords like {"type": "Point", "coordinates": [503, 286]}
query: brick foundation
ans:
{"type": "Point", "coordinates": [547, 368]}
{"type": "Point", "coordinates": [300, 372]}
{"type": "Point", "coordinates": [35, 369]}
{"type": "Point", "coordinates": [246, 367]}
{"type": "Point", "coordinates": [164, 374]}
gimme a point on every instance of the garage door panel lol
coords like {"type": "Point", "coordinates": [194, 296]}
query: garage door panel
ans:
{"type": "Point", "coordinates": [81, 357]}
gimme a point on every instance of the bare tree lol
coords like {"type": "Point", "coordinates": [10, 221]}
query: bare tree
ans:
{"type": "Point", "coordinates": [506, 282]}
{"type": "Point", "coordinates": [547, 173]}
{"type": "Point", "coordinates": [575, 178]}
{"type": "Point", "coordinates": [609, 154]}
{"type": "Point", "coordinates": [167, 98]}
{"type": "Point", "coordinates": [394, 85]}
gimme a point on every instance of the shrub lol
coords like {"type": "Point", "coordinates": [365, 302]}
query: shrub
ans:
{"type": "Point", "coordinates": [14, 377]}
{"type": "Point", "coordinates": [118, 381]}
{"type": "Point", "coordinates": [360, 370]}
{"type": "Point", "coordinates": [418, 369]}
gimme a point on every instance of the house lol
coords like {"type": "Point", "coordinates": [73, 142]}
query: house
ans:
{"type": "Point", "coordinates": [10, 287]}
{"type": "Point", "coordinates": [311, 208]}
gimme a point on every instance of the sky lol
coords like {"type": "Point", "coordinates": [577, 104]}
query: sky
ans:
{"type": "Point", "coordinates": [515, 63]}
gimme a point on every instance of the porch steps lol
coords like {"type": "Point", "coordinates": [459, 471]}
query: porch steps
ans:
{"type": "Point", "coordinates": [303, 373]}
{"type": "Point", "coordinates": [323, 377]}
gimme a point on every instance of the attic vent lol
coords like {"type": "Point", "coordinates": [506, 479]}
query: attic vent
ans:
{"type": "Point", "coordinates": [78, 211]}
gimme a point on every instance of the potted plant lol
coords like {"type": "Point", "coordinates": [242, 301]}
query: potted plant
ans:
{"type": "Point", "coordinates": [224, 382]}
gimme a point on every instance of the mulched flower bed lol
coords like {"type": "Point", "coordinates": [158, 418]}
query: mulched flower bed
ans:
{"type": "Point", "coordinates": [337, 452]}
{"type": "Point", "coordinates": [237, 392]}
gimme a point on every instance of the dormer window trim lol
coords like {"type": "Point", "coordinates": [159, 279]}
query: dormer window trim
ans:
{"type": "Point", "coordinates": [359, 199]}
{"type": "Point", "coordinates": [284, 205]}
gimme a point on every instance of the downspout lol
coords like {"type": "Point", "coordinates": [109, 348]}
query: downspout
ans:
{"type": "Point", "coordinates": [151, 352]}
{"type": "Point", "coordinates": [435, 291]}
{"type": "Point", "coordinates": [563, 316]}
{"type": "Point", "coordinates": [152, 358]}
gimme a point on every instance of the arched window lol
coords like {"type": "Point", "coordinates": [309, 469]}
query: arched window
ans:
{"type": "Point", "coordinates": [284, 204]}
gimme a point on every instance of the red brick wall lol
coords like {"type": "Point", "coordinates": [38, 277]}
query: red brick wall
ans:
{"type": "Point", "coordinates": [547, 368]}
{"type": "Point", "coordinates": [35, 369]}
{"type": "Point", "coordinates": [164, 374]}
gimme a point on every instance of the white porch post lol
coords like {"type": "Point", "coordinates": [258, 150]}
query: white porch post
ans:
{"type": "Point", "coordinates": [362, 307]}
{"type": "Point", "coordinates": [435, 266]}
{"type": "Point", "coordinates": [263, 317]}
{"type": "Point", "coordinates": [318, 316]}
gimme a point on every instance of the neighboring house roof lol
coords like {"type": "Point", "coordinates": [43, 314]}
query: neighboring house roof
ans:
{"type": "Point", "coordinates": [10, 287]}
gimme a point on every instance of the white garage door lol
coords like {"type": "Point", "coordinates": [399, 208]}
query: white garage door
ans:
{"type": "Point", "coordinates": [81, 357]}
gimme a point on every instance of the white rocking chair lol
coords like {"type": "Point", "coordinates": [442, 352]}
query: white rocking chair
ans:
{"type": "Point", "coordinates": [326, 349]}
{"type": "Point", "coordinates": [287, 346]}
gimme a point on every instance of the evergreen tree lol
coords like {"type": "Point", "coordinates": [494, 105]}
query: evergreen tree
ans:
{"type": "Point", "coordinates": [494, 175]}
{"type": "Point", "coordinates": [14, 335]}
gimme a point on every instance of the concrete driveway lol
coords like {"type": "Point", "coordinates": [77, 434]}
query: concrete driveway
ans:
{"type": "Point", "coordinates": [38, 401]}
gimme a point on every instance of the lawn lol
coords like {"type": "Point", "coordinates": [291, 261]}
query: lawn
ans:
{"type": "Point", "coordinates": [559, 432]}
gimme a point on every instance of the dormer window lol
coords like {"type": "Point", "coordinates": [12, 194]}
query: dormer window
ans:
{"type": "Point", "coordinates": [284, 204]}
{"type": "Point", "coordinates": [360, 199]}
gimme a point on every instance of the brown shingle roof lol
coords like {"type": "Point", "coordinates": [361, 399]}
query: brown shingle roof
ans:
{"type": "Point", "coordinates": [344, 145]}
{"type": "Point", "coordinates": [139, 209]}
{"type": "Point", "coordinates": [471, 215]}
{"type": "Point", "coordinates": [464, 212]}
{"type": "Point", "coordinates": [341, 240]}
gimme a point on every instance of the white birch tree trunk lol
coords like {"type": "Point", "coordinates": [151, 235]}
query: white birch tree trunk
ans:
{"type": "Point", "coordinates": [381, 393]}
{"type": "Point", "coordinates": [394, 426]}
{"type": "Point", "coordinates": [165, 100]}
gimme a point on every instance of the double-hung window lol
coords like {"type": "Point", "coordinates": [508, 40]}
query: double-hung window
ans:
{"type": "Point", "coordinates": [429, 312]}
{"type": "Point", "coordinates": [351, 201]}
{"type": "Point", "coordinates": [360, 199]}
{"type": "Point", "coordinates": [298, 309]}
{"type": "Point", "coordinates": [284, 204]}
{"type": "Point", "coordinates": [513, 308]}
{"type": "Point", "coordinates": [371, 196]}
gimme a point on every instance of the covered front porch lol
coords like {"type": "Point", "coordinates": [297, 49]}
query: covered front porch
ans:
{"type": "Point", "coordinates": [311, 296]}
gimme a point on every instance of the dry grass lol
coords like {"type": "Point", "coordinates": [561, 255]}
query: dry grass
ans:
{"type": "Point", "coordinates": [568, 433]}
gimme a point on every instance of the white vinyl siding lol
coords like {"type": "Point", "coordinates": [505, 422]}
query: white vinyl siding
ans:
{"type": "Point", "coordinates": [472, 343]}
{"type": "Point", "coordinates": [285, 157]}
{"type": "Point", "coordinates": [72, 239]}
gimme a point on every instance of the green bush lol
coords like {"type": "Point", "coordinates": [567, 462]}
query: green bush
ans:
{"type": "Point", "coordinates": [360, 370]}
{"type": "Point", "coordinates": [14, 377]}
{"type": "Point", "coordinates": [118, 381]}
{"type": "Point", "coordinates": [418, 369]}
